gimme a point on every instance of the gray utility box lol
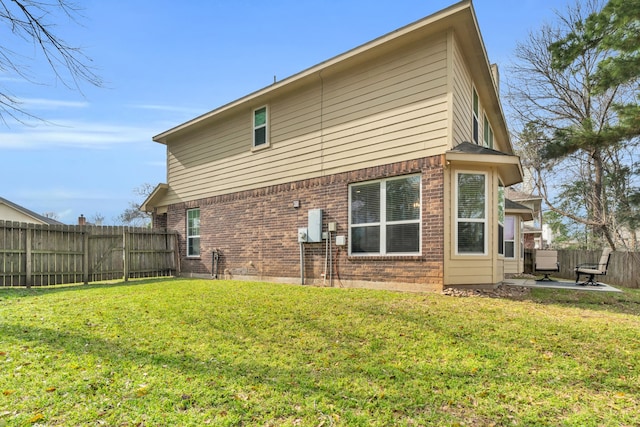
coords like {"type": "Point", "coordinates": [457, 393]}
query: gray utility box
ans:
{"type": "Point", "coordinates": [314, 230]}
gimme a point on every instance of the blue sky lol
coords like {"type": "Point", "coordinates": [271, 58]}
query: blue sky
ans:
{"type": "Point", "coordinates": [165, 62]}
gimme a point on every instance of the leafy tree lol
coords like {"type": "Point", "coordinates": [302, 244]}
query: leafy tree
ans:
{"type": "Point", "coordinates": [613, 31]}
{"type": "Point", "coordinates": [566, 234]}
{"type": "Point", "coordinates": [27, 24]}
{"type": "Point", "coordinates": [571, 127]}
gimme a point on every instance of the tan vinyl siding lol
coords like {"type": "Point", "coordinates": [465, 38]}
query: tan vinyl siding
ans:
{"type": "Point", "coordinates": [471, 272]}
{"type": "Point", "coordinates": [388, 110]}
{"type": "Point", "coordinates": [471, 269]}
{"type": "Point", "coordinates": [462, 93]}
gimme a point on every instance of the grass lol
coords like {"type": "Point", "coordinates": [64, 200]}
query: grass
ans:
{"type": "Point", "coordinates": [223, 353]}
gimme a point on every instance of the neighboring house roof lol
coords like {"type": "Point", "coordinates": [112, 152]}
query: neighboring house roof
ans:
{"type": "Point", "coordinates": [527, 229]}
{"type": "Point", "coordinates": [509, 164]}
{"type": "Point", "coordinates": [512, 207]}
{"type": "Point", "coordinates": [459, 17]}
{"type": "Point", "coordinates": [521, 196]}
{"type": "Point", "coordinates": [36, 218]}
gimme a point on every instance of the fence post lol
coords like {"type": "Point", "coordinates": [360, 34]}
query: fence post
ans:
{"type": "Point", "coordinates": [85, 257]}
{"type": "Point", "coordinates": [126, 253]}
{"type": "Point", "coordinates": [28, 256]}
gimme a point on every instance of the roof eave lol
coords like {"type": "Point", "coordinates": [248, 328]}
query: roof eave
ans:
{"type": "Point", "coordinates": [156, 195]}
{"type": "Point", "coordinates": [508, 166]}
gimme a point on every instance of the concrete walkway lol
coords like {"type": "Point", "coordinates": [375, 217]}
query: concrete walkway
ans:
{"type": "Point", "coordinates": [559, 284]}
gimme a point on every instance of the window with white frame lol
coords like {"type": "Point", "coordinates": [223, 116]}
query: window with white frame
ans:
{"type": "Point", "coordinates": [471, 213]}
{"type": "Point", "coordinates": [509, 236]}
{"type": "Point", "coordinates": [521, 227]}
{"type": "Point", "coordinates": [475, 115]}
{"type": "Point", "coordinates": [260, 127]}
{"type": "Point", "coordinates": [384, 216]}
{"type": "Point", "coordinates": [488, 133]}
{"type": "Point", "coordinates": [501, 203]}
{"type": "Point", "coordinates": [193, 232]}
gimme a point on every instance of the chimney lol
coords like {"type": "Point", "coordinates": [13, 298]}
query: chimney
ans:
{"type": "Point", "coordinates": [496, 76]}
{"type": "Point", "coordinates": [82, 220]}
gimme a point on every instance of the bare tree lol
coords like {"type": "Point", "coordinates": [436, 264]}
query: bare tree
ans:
{"type": "Point", "coordinates": [51, 215]}
{"type": "Point", "coordinates": [28, 22]}
{"type": "Point", "coordinates": [133, 216]}
{"type": "Point", "coordinates": [97, 218]}
{"type": "Point", "coordinates": [563, 125]}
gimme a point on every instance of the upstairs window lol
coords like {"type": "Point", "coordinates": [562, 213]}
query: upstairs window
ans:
{"type": "Point", "coordinates": [476, 114]}
{"type": "Point", "coordinates": [384, 217]}
{"type": "Point", "coordinates": [488, 133]}
{"type": "Point", "coordinates": [260, 128]}
{"type": "Point", "coordinates": [193, 232]}
{"type": "Point", "coordinates": [471, 213]}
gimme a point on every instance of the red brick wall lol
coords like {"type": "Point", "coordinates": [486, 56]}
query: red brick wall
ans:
{"type": "Point", "coordinates": [256, 230]}
{"type": "Point", "coordinates": [159, 220]}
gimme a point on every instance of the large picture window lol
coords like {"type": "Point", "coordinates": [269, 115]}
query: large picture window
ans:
{"type": "Point", "coordinates": [471, 213]}
{"type": "Point", "coordinates": [193, 233]}
{"type": "Point", "coordinates": [384, 217]}
{"type": "Point", "coordinates": [260, 125]}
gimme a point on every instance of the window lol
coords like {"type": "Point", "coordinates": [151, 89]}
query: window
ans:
{"type": "Point", "coordinates": [510, 237]}
{"type": "Point", "coordinates": [476, 124]}
{"type": "Point", "coordinates": [193, 233]}
{"type": "Point", "coordinates": [260, 134]}
{"type": "Point", "coordinates": [471, 213]}
{"type": "Point", "coordinates": [488, 133]}
{"type": "Point", "coordinates": [384, 216]}
{"type": "Point", "coordinates": [501, 203]}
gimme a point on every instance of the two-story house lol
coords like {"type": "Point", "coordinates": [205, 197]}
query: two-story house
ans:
{"type": "Point", "coordinates": [390, 160]}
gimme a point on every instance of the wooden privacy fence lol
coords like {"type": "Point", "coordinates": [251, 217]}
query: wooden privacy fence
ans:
{"type": "Point", "coordinates": [624, 267]}
{"type": "Point", "coordinates": [42, 255]}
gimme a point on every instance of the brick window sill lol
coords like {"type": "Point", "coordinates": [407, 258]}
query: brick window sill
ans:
{"type": "Point", "coordinates": [385, 258]}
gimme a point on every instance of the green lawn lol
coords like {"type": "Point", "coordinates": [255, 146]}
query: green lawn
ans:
{"type": "Point", "coordinates": [201, 352]}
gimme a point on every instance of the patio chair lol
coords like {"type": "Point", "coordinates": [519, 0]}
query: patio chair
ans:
{"type": "Point", "coordinates": [592, 270]}
{"type": "Point", "coordinates": [546, 263]}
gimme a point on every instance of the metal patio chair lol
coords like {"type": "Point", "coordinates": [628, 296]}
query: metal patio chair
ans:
{"type": "Point", "coordinates": [546, 263]}
{"type": "Point", "coordinates": [592, 270]}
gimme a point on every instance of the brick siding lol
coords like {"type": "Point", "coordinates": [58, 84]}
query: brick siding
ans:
{"type": "Point", "coordinates": [255, 232]}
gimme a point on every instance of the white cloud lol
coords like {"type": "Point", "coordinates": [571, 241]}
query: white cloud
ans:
{"type": "Point", "coordinates": [63, 194]}
{"type": "Point", "coordinates": [170, 108]}
{"type": "Point", "coordinates": [75, 134]}
{"type": "Point", "coordinates": [49, 104]}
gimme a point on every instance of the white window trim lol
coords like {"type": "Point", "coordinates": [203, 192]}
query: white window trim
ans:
{"type": "Point", "coordinates": [487, 132]}
{"type": "Point", "coordinates": [189, 237]}
{"type": "Point", "coordinates": [475, 119]}
{"type": "Point", "coordinates": [515, 246]}
{"type": "Point", "coordinates": [254, 128]}
{"type": "Point", "coordinates": [484, 220]}
{"type": "Point", "coordinates": [502, 194]}
{"type": "Point", "coordinates": [383, 220]}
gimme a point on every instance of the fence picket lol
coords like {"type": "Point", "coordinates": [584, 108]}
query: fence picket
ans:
{"type": "Point", "coordinates": [42, 255]}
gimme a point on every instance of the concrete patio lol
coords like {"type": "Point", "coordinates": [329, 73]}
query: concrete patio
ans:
{"type": "Point", "coordinates": [560, 284]}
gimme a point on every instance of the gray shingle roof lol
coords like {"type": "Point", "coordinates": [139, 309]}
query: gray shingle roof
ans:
{"type": "Point", "coordinates": [30, 213]}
